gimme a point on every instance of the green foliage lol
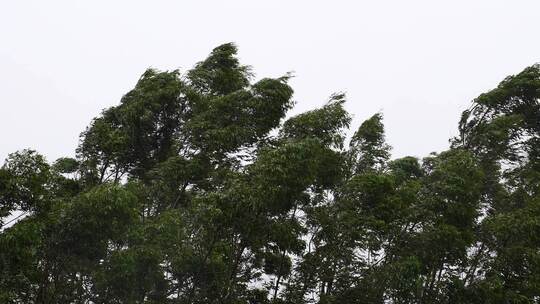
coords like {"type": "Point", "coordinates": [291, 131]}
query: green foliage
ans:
{"type": "Point", "coordinates": [26, 181]}
{"type": "Point", "coordinates": [326, 124]}
{"type": "Point", "coordinates": [194, 189]}
{"type": "Point", "coordinates": [368, 148]}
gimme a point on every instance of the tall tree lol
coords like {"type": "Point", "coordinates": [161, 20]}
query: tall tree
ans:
{"type": "Point", "coordinates": [196, 189]}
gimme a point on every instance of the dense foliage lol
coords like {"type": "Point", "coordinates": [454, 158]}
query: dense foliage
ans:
{"type": "Point", "coordinates": [194, 190]}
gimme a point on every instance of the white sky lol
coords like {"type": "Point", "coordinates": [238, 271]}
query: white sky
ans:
{"type": "Point", "coordinates": [419, 62]}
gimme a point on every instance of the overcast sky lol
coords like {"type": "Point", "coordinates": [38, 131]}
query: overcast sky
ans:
{"type": "Point", "coordinates": [419, 62]}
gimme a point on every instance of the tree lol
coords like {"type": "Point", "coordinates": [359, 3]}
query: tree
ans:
{"type": "Point", "coordinates": [196, 189]}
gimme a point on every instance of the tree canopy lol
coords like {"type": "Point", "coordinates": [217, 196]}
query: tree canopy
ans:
{"type": "Point", "coordinates": [197, 189]}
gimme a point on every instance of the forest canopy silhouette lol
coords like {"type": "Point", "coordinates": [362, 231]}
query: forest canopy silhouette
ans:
{"type": "Point", "coordinates": [197, 189]}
